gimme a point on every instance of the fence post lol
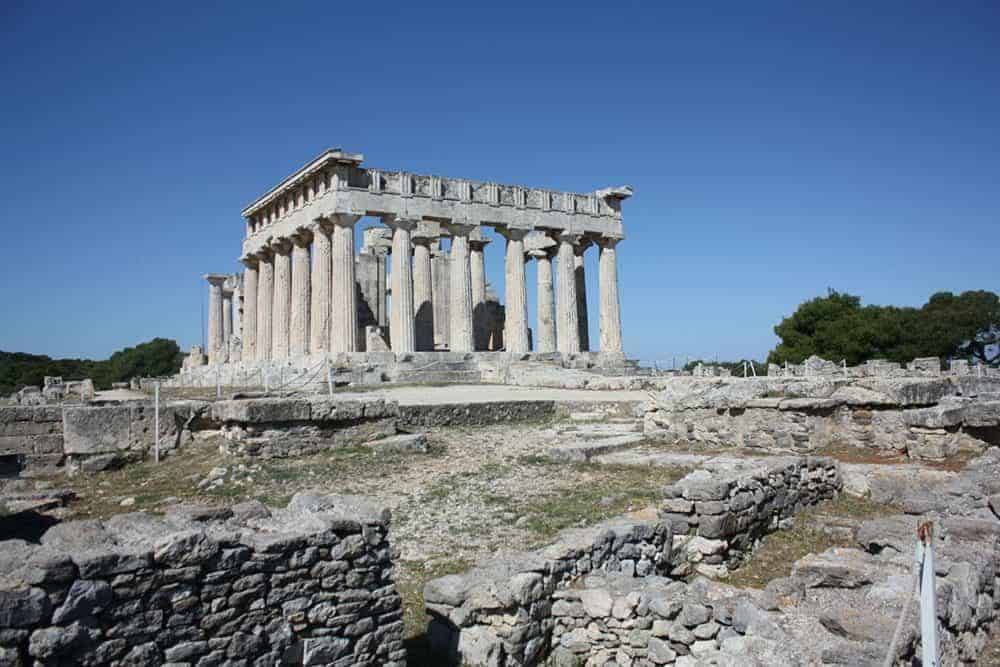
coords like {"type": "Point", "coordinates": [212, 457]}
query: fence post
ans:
{"type": "Point", "coordinates": [928, 598]}
{"type": "Point", "coordinates": [753, 369]}
{"type": "Point", "coordinates": [744, 369]}
{"type": "Point", "coordinates": [329, 377]}
{"type": "Point", "coordinates": [156, 422]}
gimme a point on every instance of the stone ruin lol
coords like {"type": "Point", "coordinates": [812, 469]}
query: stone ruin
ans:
{"type": "Point", "coordinates": [310, 584]}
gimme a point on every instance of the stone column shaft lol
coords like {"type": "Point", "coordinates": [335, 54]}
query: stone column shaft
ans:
{"type": "Point", "coordinates": [546, 334]}
{"type": "Point", "coordinates": [567, 328]}
{"type": "Point", "coordinates": [301, 297]}
{"type": "Point", "coordinates": [611, 319]}
{"type": "Point", "coordinates": [281, 313]}
{"type": "Point", "coordinates": [227, 316]}
{"type": "Point", "coordinates": [477, 270]}
{"type": "Point", "coordinates": [581, 297]}
{"type": "Point", "coordinates": [461, 337]}
{"type": "Point", "coordinates": [265, 305]}
{"type": "Point", "coordinates": [401, 325]}
{"type": "Point", "coordinates": [249, 332]}
{"type": "Point", "coordinates": [515, 293]}
{"type": "Point", "coordinates": [216, 338]}
{"type": "Point", "coordinates": [344, 299]}
{"type": "Point", "coordinates": [319, 317]}
{"type": "Point", "coordinates": [441, 287]}
{"type": "Point", "coordinates": [423, 295]}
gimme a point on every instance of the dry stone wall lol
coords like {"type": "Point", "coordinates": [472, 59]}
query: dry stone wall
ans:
{"type": "Point", "coordinates": [30, 439]}
{"type": "Point", "coordinates": [719, 512]}
{"type": "Point", "coordinates": [310, 584]}
{"type": "Point", "coordinates": [806, 414]}
{"type": "Point", "coordinates": [501, 613]}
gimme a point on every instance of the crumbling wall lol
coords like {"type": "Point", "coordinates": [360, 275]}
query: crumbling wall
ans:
{"type": "Point", "coordinates": [501, 613]}
{"type": "Point", "coordinates": [283, 427]}
{"type": "Point", "coordinates": [475, 414]}
{"type": "Point", "coordinates": [719, 512]}
{"type": "Point", "coordinates": [310, 584]}
{"type": "Point", "coordinates": [799, 414]}
{"type": "Point", "coordinates": [31, 439]}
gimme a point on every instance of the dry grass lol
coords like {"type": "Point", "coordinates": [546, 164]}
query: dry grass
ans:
{"type": "Point", "coordinates": [815, 530]}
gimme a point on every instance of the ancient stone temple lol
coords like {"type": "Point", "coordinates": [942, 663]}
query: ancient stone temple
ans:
{"type": "Point", "coordinates": [305, 291]}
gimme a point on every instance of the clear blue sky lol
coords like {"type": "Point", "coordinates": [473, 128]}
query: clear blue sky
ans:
{"type": "Point", "coordinates": [776, 149]}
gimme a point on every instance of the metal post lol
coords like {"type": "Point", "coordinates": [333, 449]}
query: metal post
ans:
{"type": "Point", "coordinates": [928, 597]}
{"type": "Point", "coordinates": [744, 369]}
{"type": "Point", "coordinates": [156, 422]}
{"type": "Point", "coordinates": [329, 377]}
{"type": "Point", "coordinates": [752, 369]}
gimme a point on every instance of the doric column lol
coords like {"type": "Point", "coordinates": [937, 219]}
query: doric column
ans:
{"type": "Point", "coordinates": [567, 327]}
{"type": "Point", "coordinates": [301, 288]}
{"type": "Point", "coordinates": [611, 318]}
{"type": "Point", "coordinates": [265, 305]}
{"type": "Point", "coordinates": [441, 287]}
{"type": "Point", "coordinates": [281, 313]}
{"type": "Point", "coordinates": [477, 270]}
{"type": "Point", "coordinates": [249, 332]}
{"type": "Point", "coordinates": [227, 314]}
{"type": "Point", "coordinates": [423, 291]}
{"type": "Point", "coordinates": [237, 329]}
{"type": "Point", "coordinates": [515, 292]}
{"type": "Point", "coordinates": [401, 326]}
{"type": "Point", "coordinates": [461, 336]}
{"type": "Point", "coordinates": [344, 298]}
{"type": "Point", "coordinates": [216, 338]}
{"type": "Point", "coordinates": [545, 335]}
{"type": "Point", "coordinates": [381, 286]}
{"type": "Point", "coordinates": [581, 294]}
{"type": "Point", "coordinates": [319, 317]}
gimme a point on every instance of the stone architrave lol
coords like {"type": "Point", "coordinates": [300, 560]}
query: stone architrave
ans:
{"type": "Point", "coordinates": [265, 304]}
{"type": "Point", "coordinates": [401, 325]}
{"type": "Point", "coordinates": [567, 326]}
{"type": "Point", "coordinates": [423, 290]}
{"type": "Point", "coordinates": [461, 335]}
{"type": "Point", "coordinates": [344, 299]}
{"type": "Point", "coordinates": [281, 312]}
{"type": "Point", "coordinates": [301, 298]}
{"type": "Point", "coordinates": [516, 292]}
{"type": "Point", "coordinates": [216, 340]}
{"type": "Point", "coordinates": [581, 294]}
{"type": "Point", "coordinates": [319, 315]}
{"type": "Point", "coordinates": [250, 288]}
{"type": "Point", "coordinates": [611, 322]}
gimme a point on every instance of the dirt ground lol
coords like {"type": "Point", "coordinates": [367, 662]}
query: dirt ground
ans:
{"type": "Point", "coordinates": [477, 493]}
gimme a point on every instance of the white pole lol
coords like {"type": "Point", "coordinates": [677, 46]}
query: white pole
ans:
{"type": "Point", "coordinates": [156, 422]}
{"type": "Point", "coordinates": [744, 369]}
{"type": "Point", "coordinates": [928, 599]}
{"type": "Point", "coordinates": [752, 369]}
{"type": "Point", "coordinates": [218, 383]}
{"type": "Point", "coordinates": [329, 377]}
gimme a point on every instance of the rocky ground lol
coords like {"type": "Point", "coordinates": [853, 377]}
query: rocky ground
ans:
{"type": "Point", "coordinates": [476, 492]}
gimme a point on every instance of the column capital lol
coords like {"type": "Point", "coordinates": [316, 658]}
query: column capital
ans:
{"type": "Point", "coordinates": [564, 236]}
{"type": "Point", "coordinates": [347, 219]}
{"type": "Point", "coordinates": [584, 243]}
{"type": "Point", "coordinates": [459, 227]}
{"type": "Point", "coordinates": [264, 253]}
{"type": "Point", "coordinates": [513, 233]}
{"type": "Point", "coordinates": [281, 245]}
{"type": "Point", "coordinates": [395, 222]}
{"type": "Point", "coordinates": [542, 253]}
{"type": "Point", "coordinates": [250, 260]}
{"type": "Point", "coordinates": [216, 279]}
{"type": "Point", "coordinates": [302, 237]}
{"type": "Point", "coordinates": [608, 241]}
{"type": "Point", "coordinates": [319, 226]}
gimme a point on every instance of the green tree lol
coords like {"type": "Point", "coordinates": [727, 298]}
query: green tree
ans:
{"type": "Point", "coordinates": [837, 327]}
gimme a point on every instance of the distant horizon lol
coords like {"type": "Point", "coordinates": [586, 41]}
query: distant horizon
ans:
{"type": "Point", "coordinates": [775, 150]}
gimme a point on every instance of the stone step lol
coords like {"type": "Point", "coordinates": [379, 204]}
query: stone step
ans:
{"type": "Point", "coordinates": [587, 416]}
{"type": "Point", "coordinates": [404, 442]}
{"type": "Point", "coordinates": [583, 451]}
{"type": "Point", "coordinates": [591, 431]}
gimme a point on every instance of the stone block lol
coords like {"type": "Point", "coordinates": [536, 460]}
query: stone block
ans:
{"type": "Point", "coordinates": [96, 430]}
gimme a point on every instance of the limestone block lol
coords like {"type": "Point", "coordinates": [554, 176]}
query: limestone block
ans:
{"type": "Point", "coordinates": [96, 430]}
